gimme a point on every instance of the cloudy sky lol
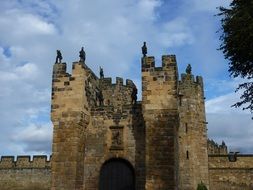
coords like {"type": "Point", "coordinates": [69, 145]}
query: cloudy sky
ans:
{"type": "Point", "coordinates": [112, 32]}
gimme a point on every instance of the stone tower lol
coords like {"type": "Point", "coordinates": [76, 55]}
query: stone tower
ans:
{"type": "Point", "coordinates": [160, 112]}
{"type": "Point", "coordinates": [192, 133]}
{"type": "Point", "coordinates": [70, 117]}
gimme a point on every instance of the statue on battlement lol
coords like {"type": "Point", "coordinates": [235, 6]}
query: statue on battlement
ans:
{"type": "Point", "coordinates": [82, 55]}
{"type": "Point", "coordinates": [134, 95]}
{"type": "Point", "coordinates": [189, 69]}
{"type": "Point", "coordinates": [58, 56]}
{"type": "Point", "coordinates": [144, 49]}
{"type": "Point", "coordinates": [101, 72]}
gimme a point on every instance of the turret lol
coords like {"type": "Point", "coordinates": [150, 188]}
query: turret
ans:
{"type": "Point", "coordinates": [70, 117]}
{"type": "Point", "coordinates": [193, 157]}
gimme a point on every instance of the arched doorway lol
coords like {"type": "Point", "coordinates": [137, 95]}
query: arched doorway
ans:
{"type": "Point", "coordinates": [117, 174]}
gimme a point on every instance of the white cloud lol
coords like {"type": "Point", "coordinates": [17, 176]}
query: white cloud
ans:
{"type": "Point", "coordinates": [176, 33]}
{"type": "Point", "coordinates": [33, 139]}
{"type": "Point", "coordinates": [34, 132]}
{"type": "Point", "coordinates": [17, 26]}
{"type": "Point", "coordinates": [235, 129]}
{"type": "Point", "coordinates": [147, 8]}
{"type": "Point", "coordinates": [222, 104]}
{"type": "Point", "coordinates": [232, 125]}
{"type": "Point", "coordinates": [27, 71]}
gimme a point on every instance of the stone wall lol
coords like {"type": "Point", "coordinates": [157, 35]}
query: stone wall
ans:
{"type": "Point", "coordinates": [24, 173]}
{"type": "Point", "coordinates": [193, 160]}
{"type": "Point", "coordinates": [226, 175]}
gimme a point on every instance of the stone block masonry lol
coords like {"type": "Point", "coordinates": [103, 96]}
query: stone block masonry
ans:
{"type": "Point", "coordinates": [25, 173]}
{"type": "Point", "coordinates": [235, 175]}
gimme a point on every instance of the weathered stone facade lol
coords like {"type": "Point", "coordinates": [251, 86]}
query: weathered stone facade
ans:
{"type": "Point", "coordinates": [162, 139]}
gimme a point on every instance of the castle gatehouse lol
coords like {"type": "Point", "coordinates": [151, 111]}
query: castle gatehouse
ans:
{"type": "Point", "coordinates": [104, 139]}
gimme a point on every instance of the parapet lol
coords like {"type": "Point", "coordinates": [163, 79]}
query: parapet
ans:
{"type": "Point", "coordinates": [59, 70]}
{"type": "Point", "coordinates": [215, 148]}
{"type": "Point", "coordinates": [168, 61]}
{"type": "Point", "coordinates": [189, 78]}
{"type": "Point", "coordinates": [22, 162]}
{"type": "Point", "coordinates": [107, 82]}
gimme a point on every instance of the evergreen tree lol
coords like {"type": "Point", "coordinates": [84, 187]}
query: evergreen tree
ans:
{"type": "Point", "coordinates": [237, 46]}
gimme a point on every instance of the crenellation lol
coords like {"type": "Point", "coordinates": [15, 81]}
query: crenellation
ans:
{"type": "Point", "coordinates": [190, 80]}
{"type": "Point", "coordinates": [59, 70]}
{"type": "Point", "coordinates": [7, 162]}
{"type": "Point", "coordinates": [148, 63]}
{"type": "Point", "coordinates": [168, 61]}
{"type": "Point", "coordinates": [119, 81]}
{"type": "Point", "coordinates": [129, 83]}
{"type": "Point", "coordinates": [106, 81]}
{"type": "Point", "coordinates": [215, 148]}
{"type": "Point", "coordinates": [24, 161]}
{"type": "Point", "coordinates": [199, 80]}
{"type": "Point", "coordinates": [116, 94]}
{"type": "Point", "coordinates": [186, 78]}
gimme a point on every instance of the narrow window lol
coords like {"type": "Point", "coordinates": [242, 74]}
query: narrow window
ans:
{"type": "Point", "coordinates": [187, 155]}
{"type": "Point", "coordinates": [186, 127]}
{"type": "Point", "coordinates": [180, 99]}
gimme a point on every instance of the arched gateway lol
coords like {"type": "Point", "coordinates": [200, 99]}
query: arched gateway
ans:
{"type": "Point", "coordinates": [117, 174]}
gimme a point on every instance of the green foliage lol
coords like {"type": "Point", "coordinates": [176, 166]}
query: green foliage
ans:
{"type": "Point", "coordinates": [201, 186]}
{"type": "Point", "coordinates": [237, 46]}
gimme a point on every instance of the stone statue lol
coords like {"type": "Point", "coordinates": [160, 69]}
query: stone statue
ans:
{"type": "Point", "coordinates": [116, 140]}
{"type": "Point", "coordinates": [134, 95]}
{"type": "Point", "coordinates": [100, 97]}
{"type": "Point", "coordinates": [82, 55]}
{"type": "Point", "coordinates": [144, 49]}
{"type": "Point", "coordinates": [101, 72]}
{"type": "Point", "coordinates": [188, 69]}
{"type": "Point", "coordinates": [58, 56]}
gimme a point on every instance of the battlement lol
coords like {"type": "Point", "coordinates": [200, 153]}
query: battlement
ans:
{"type": "Point", "coordinates": [168, 61]}
{"type": "Point", "coordinates": [59, 70]}
{"type": "Point", "coordinates": [215, 148]}
{"type": "Point", "coordinates": [107, 82]}
{"type": "Point", "coordinates": [190, 79]}
{"type": "Point", "coordinates": [22, 162]}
